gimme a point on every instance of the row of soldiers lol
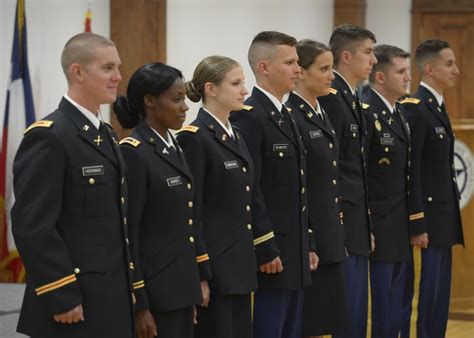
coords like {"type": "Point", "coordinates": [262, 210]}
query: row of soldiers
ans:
{"type": "Point", "coordinates": [261, 217]}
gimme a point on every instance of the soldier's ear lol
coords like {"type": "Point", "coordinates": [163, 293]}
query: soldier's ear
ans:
{"type": "Point", "coordinates": [379, 77]}
{"type": "Point", "coordinates": [346, 57]}
{"type": "Point", "coordinates": [210, 89]}
{"type": "Point", "coordinates": [76, 72]}
{"type": "Point", "coordinates": [148, 101]}
{"type": "Point", "coordinates": [262, 67]}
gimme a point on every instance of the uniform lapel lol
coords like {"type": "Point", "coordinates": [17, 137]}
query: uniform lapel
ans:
{"type": "Point", "coordinates": [432, 104]}
{"type": "Point", "coordinates": [88, 132]}
{"type": "Point", "coordinates": [386, 116]}
{"type": "Point", "coordinates": [310, 116]}
{"type": "Point", "coordinates": [350, 100]}
{"type": "Point", "coordinates": [161, 149]}
{"type": "Point", "coordinates": [274, 115]}
{"type": "Point", "coordinates": [220, 134]}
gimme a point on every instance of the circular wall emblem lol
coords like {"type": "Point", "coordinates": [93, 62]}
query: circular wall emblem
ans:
{"type": "Point", "coordinates": [464, 166]}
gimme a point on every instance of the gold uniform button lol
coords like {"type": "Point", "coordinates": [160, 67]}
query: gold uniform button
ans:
{"type": "Point", "coordinates": [247, 207]}
{"type": "Point", "coordinates": [122, 200]}
{"type": "Point", "coordinates": [336, 200]}
{"type": "Point", "coordinates": [190, 204]}
{"type": "Point", "coordinates": [91, 181]}
{"type": "Point", "coordinates": [354, 135]}
{"type": "Point", "coordinates": [302, 190]}
{"type": "Point", "coordinates": [303, 208]}
{"type": "Point", "coordinates": [77, 271]}
{"type": "Point", "coordinates": [247, 188]}
{"type": "Point", "coordinates": [244, 169]}
{"type": "Point", "coordinates": [127, 241]}
{"type": "Point", "coordinates": [334, 182]}
{"type": "Point", "coordinates": [454, 179]}
{"type": "Point", "coordinates": [249, 226]}
{"type": "Point", "coordinates": [331, 145]}
{"type": "Point", "coordinates": [302, 172]}
{"type": "Point", "coordinates": [125, 220]}
{"type": "Point", "coordinates": [386, 149]}
{"type": "Point", "coordinates": [190, 221]}
{"type": "Point", "coordinates": [280, 154]}
{"type": "Point", "coordinates": [191, 239]}
{"type": "Point", "coordinates": [189, 186]}
{"type": "Point", "coordinates": [334, 163]}
{"type": "Point", "coordinates": [362, 149]}
{"type": "Point", "coordinates": [408, 177]}
{"type": "Point", "coordinates": [123, 180]}
{"type": "Point", "coordinates": [441, 136]}
{"type": "Point", "coordinates": [430, 199]}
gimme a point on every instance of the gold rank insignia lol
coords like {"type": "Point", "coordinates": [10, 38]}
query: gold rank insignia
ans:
{"type": "Point", "coordinates": [410, 100]}
{"type": "Point", "coordinates": [384, 160]}
{"type": "Point", "coordinates": [42, 124]}
{"type": "Point", "coordinates": [131, 141]}
{"type": "Point", "coordinates": [247, 107]}
{"type": "Point", "coordinates": [333, 91]}
{"type": "Point", "coordinates": [378, 126]}
{"type": "Point", "coordinates": [365, 105]}
{"type": "Point", "coordinates": [192, 129]}
{"type": "Point", "coordinates": [353, 105]}
{"type": "Point", "coordinates": [224, 137]}
{"type": "Point", "coordinates": [309, 114]}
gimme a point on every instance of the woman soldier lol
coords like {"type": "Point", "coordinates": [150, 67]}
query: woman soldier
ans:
{"type": "Point", "coordinates": [165, 246]}
{"type": "Point", "coordinates": [225, 198]}
{"type": "Point", "coordinates": [324, 309]}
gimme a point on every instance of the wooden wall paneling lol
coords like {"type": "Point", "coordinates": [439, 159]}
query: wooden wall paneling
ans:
{"type": "Point", "coordinates": [138, 28]}
{"type": "Point", "coordinates": [350, 11]}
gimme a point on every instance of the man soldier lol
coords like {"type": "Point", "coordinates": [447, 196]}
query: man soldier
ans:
{"type": "Point", "coordinates": [388, 152]}
{"type": "Point", "coordinates": [435, 218]}
{"type": "Point", "coordinates": [69, 220]}
{"type": "Point", "coordinates": [352, 48]}
{"type": "Point", "coordinates": [277, 152]}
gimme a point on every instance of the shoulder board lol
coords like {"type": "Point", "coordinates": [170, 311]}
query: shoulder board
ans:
{"type": "Point", "coordinates": [410, 100]}
{"type": "Point", "coordinates": [130, 140]}
{"type": "Point", "coordinates": [247, 107]}
{"type": "Point", "coordinates": [333, 91]}
{"type": "Point", "coordinates": [42, 123]}
{"type": "Point", "coordinates": [365, 105]}
{"type": "Point", "coordinates": [192, 129]}
{"type": "Point", "coordinates": [110, 126]}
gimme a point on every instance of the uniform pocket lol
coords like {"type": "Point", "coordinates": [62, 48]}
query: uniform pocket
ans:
{"type": "Point", "coordinates": [89, 259]}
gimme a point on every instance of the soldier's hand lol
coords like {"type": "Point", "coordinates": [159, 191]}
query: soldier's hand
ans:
{"type": "Point", "coordinates": [372, 242]}
{"type": "Point", "coordinates": [420, 240]}
{"type": "Point", "coordinates": [272, 267]}
{"type": "Point", "coordinates": [313, 261]}
{"type": "Point", "coordinates": [206, 293]}
{"type": "Point", "coordinates": [72, 316]}
{"type": "Point", "coordinates": [195, 315]}
{"type": "Point", "coordinates": [145, 324]}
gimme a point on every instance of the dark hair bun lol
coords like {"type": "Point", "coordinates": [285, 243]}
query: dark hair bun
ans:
{"type": "Point", "coordinates": [191, 92]}
{"type": "Point", "coordinates": [125, 115]}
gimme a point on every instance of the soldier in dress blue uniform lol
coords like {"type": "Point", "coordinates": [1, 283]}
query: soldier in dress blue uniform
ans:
{"type": "Point", "coordinates": [388, 161]}
{"type": "Point", "coordinates": [165, 240]}
{"type": "Point", "coordinates": [226, 196]}
{"type": "Point", "coordinates": [278, 154]}
{"type": "Point", "coordinates": [435, 218]}
{"type": "Point", "coordinates": [322, 159]}
{"type": "Point", "coordinates": [69, 219]}
{"type": "Point", "coordinates": [352, 48]}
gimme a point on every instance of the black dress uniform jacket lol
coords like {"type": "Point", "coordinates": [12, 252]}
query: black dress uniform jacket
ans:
{"type": "Point", "coordinates": [165, 249]}
{"type": "Point", "coordinates": [434, 194]}
{"type": "Point", "coordinates": [388, 152]}
{"type": "Point", "coordinates": [280, 171]}
{"type": "Point", "coordinates": [322, 159]}
{"type": "Point", "coordinates": [345, 113]}
{"type": "Point", "coordinates": [70, 227]}
{"type": "Point", "coordinates": [224, 181]}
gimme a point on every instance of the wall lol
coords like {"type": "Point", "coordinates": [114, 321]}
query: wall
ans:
{"type": "Point", "coordinates": [226, 27]}
{"type": "Point", "coordinates": [195, 30]}
{"type": "Point", "coordinates": [50, 24]}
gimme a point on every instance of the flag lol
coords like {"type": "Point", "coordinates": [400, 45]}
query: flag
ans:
{"type": "Point", "coordinates": [19, 113]}
{"type": "Point", "coordinates": [88, 21]}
